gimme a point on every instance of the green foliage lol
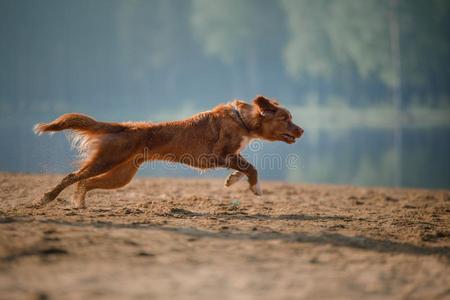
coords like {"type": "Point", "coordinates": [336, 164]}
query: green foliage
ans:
{"type": "Point", "coordinates": [97, 52]}
{"type": "Point", "coordinates": [226, 28]}
{"type": "Point", "coordinates": [308, 51]}
{"type": "Point", "coordinates": [327, 37]}
{"type": "Point", "coordinates": [153, 48]}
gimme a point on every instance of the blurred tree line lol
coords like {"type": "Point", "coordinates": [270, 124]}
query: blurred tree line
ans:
{"type": "Point", "coordinates": [90, 54]}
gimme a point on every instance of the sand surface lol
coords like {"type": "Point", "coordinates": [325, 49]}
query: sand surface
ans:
{"type": "Point", "coordinates": [195, 239]}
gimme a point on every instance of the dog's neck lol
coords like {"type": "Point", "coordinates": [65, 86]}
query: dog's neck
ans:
{"type": "Point", "coordinates": [239, 118]}
{"type": "Point", "coordinates": [245, 114]}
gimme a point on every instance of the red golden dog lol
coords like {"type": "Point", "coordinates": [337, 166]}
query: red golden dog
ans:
{"type": "Point", "coordinates": [113, 152]}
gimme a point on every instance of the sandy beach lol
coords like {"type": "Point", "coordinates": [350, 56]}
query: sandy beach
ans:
{"type": "Point", "coordinates": [165, 238]}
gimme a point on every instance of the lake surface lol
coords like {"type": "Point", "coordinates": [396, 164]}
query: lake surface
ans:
{"type": "Point", "coordinates": [358, 156]}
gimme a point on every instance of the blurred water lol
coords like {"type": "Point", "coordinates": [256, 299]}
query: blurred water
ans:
{"type": "Point", "coordinates": [351, 156]}
{"type": "Point", "coordinates": [349, 71]}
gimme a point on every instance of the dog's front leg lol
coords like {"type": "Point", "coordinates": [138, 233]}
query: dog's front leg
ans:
{"type": "Point", "coordinates": [238, 163]}
{"type": "Point", "coordinates": [233, 178]}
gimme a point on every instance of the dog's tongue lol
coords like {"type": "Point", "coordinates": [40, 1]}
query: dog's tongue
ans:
{"type": "Point", "coordinates": [288, 138]}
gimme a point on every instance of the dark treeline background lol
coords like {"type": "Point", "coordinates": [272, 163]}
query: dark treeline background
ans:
{"type": "Point", "coordinates": [369, 80]}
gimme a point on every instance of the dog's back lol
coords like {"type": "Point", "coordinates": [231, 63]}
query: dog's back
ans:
{"type": "Point", "coordinates": [114, 151]}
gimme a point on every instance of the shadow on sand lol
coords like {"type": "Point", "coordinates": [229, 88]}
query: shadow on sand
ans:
{"type": "Point", "coordinates": [239, 215]}
{"type": "Point", "coordinates": [323, 238]}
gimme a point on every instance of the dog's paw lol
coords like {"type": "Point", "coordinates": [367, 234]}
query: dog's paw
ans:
{"type": "Point", "coordinates": [256, 189]}
{"type": "Point", "coordinates": [38, 203]}
{"type": "Point", "coordinates": [77, 207]}
{"type": "Point", "coordinates": [78, 202]}
{"type": "Point", "coordinates": [233, 178]}
{"type": "Point", "coordinates": [42, 202]}
{"type": "Point", "coordinates": [35, 204]}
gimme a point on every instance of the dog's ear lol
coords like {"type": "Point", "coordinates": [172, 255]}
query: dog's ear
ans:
{"type": "Point", "coordinates": [265, 106]}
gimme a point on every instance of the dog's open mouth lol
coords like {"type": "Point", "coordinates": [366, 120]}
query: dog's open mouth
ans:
{"type": "Point", "coordinates": [290, 139]}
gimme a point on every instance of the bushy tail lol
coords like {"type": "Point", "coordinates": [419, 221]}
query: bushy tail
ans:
{"type": "Point", "coordinates": [77, 122]}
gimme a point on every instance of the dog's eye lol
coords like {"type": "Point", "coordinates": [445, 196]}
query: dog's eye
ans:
{"type": "Point", "coordinates": [283, 119]}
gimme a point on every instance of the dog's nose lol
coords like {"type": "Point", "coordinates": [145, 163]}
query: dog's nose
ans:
{"type": "Point", "coordinates": [298, 132]}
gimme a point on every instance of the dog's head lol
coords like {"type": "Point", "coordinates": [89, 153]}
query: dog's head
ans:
{"type": "Point", "coordinates": [276, 121]}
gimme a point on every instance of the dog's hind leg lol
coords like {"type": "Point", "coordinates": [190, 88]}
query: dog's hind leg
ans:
{"type": "Point", "coordinates": [118, 177]}
{"type": "Point", "coordinates": [65, 182]}
{"type": "Point", "coordinates": [94, 166]}
{"type": "Point", "coordinates": [79, 195]}
{"type": "Point", "coordinates": [53, 193]}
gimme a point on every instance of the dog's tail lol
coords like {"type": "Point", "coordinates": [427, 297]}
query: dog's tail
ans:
{"type": "Point", "coordinates": [78, 122]}
{"type": "Point", "coordinates": [87, 134]}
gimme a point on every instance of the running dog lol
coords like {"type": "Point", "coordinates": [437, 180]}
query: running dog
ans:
{"type": "Point", "coordinates": [113, 152]}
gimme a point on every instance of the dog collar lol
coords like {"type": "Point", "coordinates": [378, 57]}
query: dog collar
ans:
{"type": "Point", "coordinates": [237, 113]}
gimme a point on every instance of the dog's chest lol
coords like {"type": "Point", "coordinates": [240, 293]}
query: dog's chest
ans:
{"type": "Point", "coordinates": [244, 143]}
